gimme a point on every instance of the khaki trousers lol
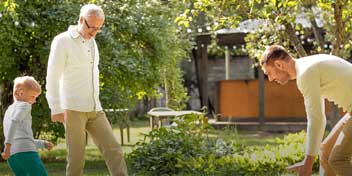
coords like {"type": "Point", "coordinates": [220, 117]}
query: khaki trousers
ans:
{"type": "Point", "coordinates": [98, 127]}
{"type": "Point", "coordinates": [336, 150]}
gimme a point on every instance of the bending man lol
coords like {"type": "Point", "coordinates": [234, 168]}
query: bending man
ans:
{"type": "Point", "coordinates": [318, 77]}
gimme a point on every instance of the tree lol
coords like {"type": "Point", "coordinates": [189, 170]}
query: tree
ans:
{"type": "Point", "coordinates": [137, 45]}
{"type": "Point", "coordinates": [28, 28]}
{"type": "Point", "coordinates": [141, 51]}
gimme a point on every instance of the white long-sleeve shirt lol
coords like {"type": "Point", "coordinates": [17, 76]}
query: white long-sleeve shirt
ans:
{"type": "Point", "coordinates": [18, 129]}
{"type": "Point", "coordinates": [72, 80]}
{"type": "Point", "coordinates": [318, 77]}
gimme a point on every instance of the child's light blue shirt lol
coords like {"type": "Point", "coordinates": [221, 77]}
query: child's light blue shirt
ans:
{"type": "Point", "coordinates": [18, 128]}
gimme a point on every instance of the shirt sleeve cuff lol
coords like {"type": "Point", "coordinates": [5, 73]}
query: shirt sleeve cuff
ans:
{"type": "Point", "coordinates": [57, 111]}
{"type": "Point", "coordinates": [39, 144]}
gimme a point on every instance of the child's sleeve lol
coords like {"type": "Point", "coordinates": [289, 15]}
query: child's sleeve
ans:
{"type": "Point", "coordinates": [21, 110]}
{"type": "Point", "coordinates": [39, 144]}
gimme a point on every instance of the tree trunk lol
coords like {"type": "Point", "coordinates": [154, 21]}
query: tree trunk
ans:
{"type": "Point", "coordinates": [290, 31]}
{"type": "Point", "coordinates": [6, 99]}
{"type": "Point", "coordinates": [339, 37]}
{"type": "Point", "coordinates": [339, 27]}
{"type": "Point", "coordinates": [316, 31]}
{"type": "Point", "coordinates": [166, 87]}
{"type": "Point", "coordinates": [309, 4]}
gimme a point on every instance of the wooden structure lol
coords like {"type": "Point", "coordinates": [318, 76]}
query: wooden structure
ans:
{"type": "Point", "coordinates": [257, 103]}
{"type": "Point", "coordinates": [248, 104]}
{"type": "Point", "coordinates": [237, 99]}
{"type": "Point", "coordinates": [201, 61]}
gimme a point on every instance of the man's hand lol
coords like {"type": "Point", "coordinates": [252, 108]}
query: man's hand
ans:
{"type": "Point", "coordinates": [304, 168]}
{"type": "Point", "coordinates": [48, 145]}
{"type": "Point", "coordinates": [6, 154]}
{"type": "Point", "coordinates": [58, 117]}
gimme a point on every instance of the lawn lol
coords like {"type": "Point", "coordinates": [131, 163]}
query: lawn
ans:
{"type": "Point", "coordinates": [94, 165]}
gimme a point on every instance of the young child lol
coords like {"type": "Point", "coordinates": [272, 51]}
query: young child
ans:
{"type": "Point", "coordinates": [20, 146]}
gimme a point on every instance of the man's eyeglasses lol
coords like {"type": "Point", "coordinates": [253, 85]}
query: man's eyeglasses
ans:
{"type": "Point", "coordinates": [90, 27]}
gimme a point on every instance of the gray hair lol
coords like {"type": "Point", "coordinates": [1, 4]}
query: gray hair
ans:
{"type": "Point", "coordinates": [91, 9]}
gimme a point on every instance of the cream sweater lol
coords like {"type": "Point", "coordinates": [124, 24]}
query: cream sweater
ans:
{"type": "Point", "coordinates": [72, 81]}
{"type": "Point", "coordinates": [318, 77]}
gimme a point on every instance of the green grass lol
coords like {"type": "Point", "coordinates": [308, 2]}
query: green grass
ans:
{"type": "Point", "coordinates": [93, 168]}
{"type": "Point", "coordinates": [55, 160]}
{"type": "Point", "coordinates": [249, 138]}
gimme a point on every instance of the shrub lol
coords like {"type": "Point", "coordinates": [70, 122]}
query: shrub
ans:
{"type": "Point", "coordinates": [168, 148]}
{"type": "Point", "coordinates": [185, 150]}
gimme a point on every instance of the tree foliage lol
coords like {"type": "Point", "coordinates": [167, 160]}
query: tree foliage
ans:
{"type": "Point", "coordinates": [138, 47]}
{"type": "Point", "coordinates": [141, 51]}
{"type": "Point", "coordinates": [28, 28]}
{"type": "Point", "coordinates": [281, 25]}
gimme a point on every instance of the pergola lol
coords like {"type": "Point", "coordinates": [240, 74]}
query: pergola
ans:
{"type": "Point", "coordinates": [228, 40]}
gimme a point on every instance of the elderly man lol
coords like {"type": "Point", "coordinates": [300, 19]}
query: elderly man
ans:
{"type": "Point", "coordinates": [73, 93]}
{"type": "Point", "coordinates": [318, 77]}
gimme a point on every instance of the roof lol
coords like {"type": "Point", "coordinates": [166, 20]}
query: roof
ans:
{"type": "Point", "coordinates": [252, 25]}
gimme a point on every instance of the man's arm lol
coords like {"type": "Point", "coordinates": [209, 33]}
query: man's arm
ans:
{"type": "Point", "coordinates": [309, 85]}
{"type": "Point", "coordinates": [303, 168]}
{"type": "Point", "coordinates": [315, 109]}
{"type": "Point", "coordinates": [55, 70]}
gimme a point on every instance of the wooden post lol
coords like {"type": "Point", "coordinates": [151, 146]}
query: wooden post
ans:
{"type": "Point", "coordinates": [202, 67]}
{"type": "Point", "coordinates": [335, 115]}
{"type": "Point", "coordinates": [227, 63]}
{"type": "Point", "coordinates": [151, 122]}
{"type": "Point", "coordinates": [121, 131]}
{"type": "Point", "coordinates": [128, 124]}
{"type": "Point", "coordinates": [166, 86]}
{"type": "Point", "coordinates": [261, 96]}
{"type": "Point", "coordinates": [204, 73]}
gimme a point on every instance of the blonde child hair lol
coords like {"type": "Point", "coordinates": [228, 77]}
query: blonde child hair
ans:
{"type": "Point", "coordinates": [23, 83]}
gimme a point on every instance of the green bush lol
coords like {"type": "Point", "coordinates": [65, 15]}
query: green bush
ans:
{"type": "Point", "coordinates": [166, 149]}
{"type": "Point", "coordinates": [264, 160]}
{"type": "Point", "coordinates": [186, 150]}
{"type": "Point", "coordinates": [165, 154]}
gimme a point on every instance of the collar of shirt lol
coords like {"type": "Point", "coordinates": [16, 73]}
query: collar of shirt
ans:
{"type": "Point", "coordinates": [73, 31]}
